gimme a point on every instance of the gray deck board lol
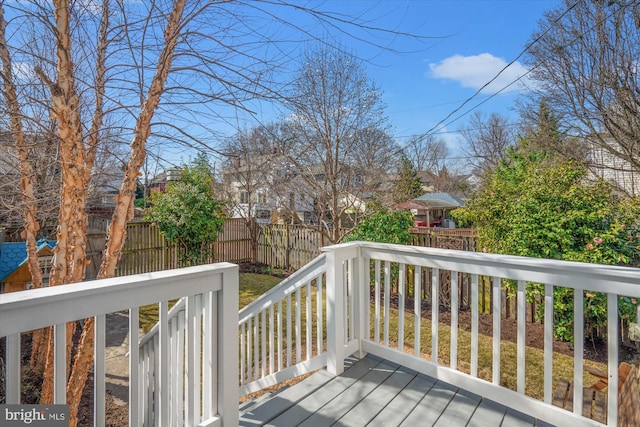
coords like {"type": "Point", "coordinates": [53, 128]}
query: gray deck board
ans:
{"type": "Point", "coordinates": [517, 419]}
{"type": "Point", "coordinates": [273, 406]}
{"type": "Point", "coordinates": [351, 397]}
{"type": "Point", "coordinates": [374, 392]}
{"type": "Point", "coordinates": [427, 412]}
{"type": "Point", "coordinates": [488, 413]}
{"type": "Point", "coordinates": [460, 410]}
{"type": "Point", "coordinates": [311, 404]}
{"type": "Point", "coordinates": [397, 410]}
{"type": "Point", "coordinates": [367, 409]}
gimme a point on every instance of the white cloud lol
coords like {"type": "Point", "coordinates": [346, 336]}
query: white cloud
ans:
{"type": "Point", "coordinates": [453, 140]}
{"type": "Point", "coordinates": [476, 70]}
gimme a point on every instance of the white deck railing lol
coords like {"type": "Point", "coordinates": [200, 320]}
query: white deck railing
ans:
{"type": "Point", "coordinates": [171, 381]}
{"type": "Point", "coordinates": [362, 280]}
{"type": "Point", "coordinates": [185, 370]}
{"type": "Point", "coordinates": [282, 332]}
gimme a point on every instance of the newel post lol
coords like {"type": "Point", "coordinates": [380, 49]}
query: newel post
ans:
{"type": "Point", "coordinates": [228, 367]}
{"type": "Point", "coordinates": [335, 311]}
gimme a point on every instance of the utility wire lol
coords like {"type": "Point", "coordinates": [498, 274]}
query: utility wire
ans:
{"type": "Point", "coordinates": [526, 48]}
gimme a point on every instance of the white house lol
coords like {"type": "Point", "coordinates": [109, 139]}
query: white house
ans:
{"type": "Point", "coordinates": [613, 169]}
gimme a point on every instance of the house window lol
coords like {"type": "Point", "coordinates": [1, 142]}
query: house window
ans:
{"type": "Point", "coordinates": [45, 268]}
{"type": "Point", "coordinates": [244, 196]}
{"type": "Point", "coordinates": [263, 214]}
{"type": "Point", "coordinates": [262, 198]}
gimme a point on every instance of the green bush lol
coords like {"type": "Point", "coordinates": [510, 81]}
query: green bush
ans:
{"type": "Point", "coordinates": [534, 206]}
{"type": "Point", "coordinates": [188, 214]}
{"type": "Point", "coordinates": [384, 226]}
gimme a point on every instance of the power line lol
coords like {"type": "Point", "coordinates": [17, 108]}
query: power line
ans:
{"type": "Point", "coordinates": [526, 48]}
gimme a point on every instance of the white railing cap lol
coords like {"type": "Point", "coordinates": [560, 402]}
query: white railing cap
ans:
{"type": "Point", "coordinates": [37, 308]}
{"type": "Point", "coordinates": [594, 277]}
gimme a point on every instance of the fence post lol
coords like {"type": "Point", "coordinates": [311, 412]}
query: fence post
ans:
{"type": "Point", "coordinates": [287, 248]}
{"type": "Point", "coordinates": [335, 313]}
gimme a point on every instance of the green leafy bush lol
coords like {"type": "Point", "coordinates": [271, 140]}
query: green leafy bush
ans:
{"type": "Point", "coordinates": [384, 226]}
{"type": "Point", "coordinates": [533, 206]}
{"type": "Point", "coordinates": [188, 214]}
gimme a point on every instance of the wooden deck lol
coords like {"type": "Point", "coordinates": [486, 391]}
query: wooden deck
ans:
{"type": "Point", "coordinates": [376, 392]}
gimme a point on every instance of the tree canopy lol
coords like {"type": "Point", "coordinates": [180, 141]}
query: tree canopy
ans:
{"type": "Point", "coordinates": [408, 184]}
{"type": "Point", "coordinates": [584, 62]}
{"type": "Point", "coordinates": [342, 146]}
{"type": "Point", "coordinates": [531, 206]}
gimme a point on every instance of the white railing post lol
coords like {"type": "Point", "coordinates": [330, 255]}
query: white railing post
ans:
{"type": "Point", "coordinates": [228, 387]}
{"type": "Point", "coordinates": [12, 366]}
{"type": "Point", "coordinates": [335, 313]}
{"type": "Point", "coordinates": [360, 292]}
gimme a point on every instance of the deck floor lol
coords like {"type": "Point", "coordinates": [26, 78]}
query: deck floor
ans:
{"type": "Point", "coordinates": [376, 392]}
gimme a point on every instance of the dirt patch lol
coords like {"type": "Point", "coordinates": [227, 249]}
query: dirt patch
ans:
{"type": "Point", "coordinates": [258, 268]}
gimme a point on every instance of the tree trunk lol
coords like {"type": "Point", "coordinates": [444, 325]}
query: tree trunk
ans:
{"type": "Point", "coordinates": [124, 203]}
{"type": "Point", "coordinates": [70, 251]}
{"type": "Point", "coordinates": [31, 225]}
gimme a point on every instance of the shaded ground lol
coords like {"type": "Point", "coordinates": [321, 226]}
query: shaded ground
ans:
{"type": "Point", "coordinates": [117, 376]}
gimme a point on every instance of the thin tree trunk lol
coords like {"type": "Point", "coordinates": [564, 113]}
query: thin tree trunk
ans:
{"type": "Point", "coordinates": [31, 225]}
{"type": "Point", "coordinates": [70, 252]}
{"type": "Point", "coordinates": [124, 203]}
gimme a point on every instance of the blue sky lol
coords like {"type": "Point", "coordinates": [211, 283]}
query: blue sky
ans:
{"type": "Point", "coordinates": [484, 36]}
{"type": "Point", "coordinates": [422, 86]}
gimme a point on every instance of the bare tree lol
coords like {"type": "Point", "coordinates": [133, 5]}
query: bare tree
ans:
{"type": "Point", "coordinates": [248, 173]}
{"type": "Point", "coordinates": [427, 152]}
{"type": "Point", "coordinates": [542, 129]}
{"type": "Point", "coordinates": [101, 70]}
{"type": "Point", "coordinates": [586, 66]}
{"type": "Point", "coordinates": [342, 148]}
{"type": "Point", "coordinates": [487, 138]}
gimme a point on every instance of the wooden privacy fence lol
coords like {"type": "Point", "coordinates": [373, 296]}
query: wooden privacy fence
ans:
{"type": "Point", "coordinates": [288, 247]}
{"type": "Point", "coordinates": [462, 239]}
{"type": "Point", "coordinates": [146, 250]}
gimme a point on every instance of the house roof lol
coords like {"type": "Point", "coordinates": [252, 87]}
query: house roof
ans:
{"type": "Point", "coordinates": [440, 200]}
{"type": "Point", "coordinates": [411, 204]}
{"type": "Point", "coordinates": [14, 254]}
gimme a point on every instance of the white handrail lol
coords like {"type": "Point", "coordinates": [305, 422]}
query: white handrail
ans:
{"type": "Point", "coordinates": [284, 288]}
{"type": "Point", "coordinates": [172, 314]}
{"type": "Point", "coordinates": [215, 285]}
{"type": "Point", "coordinates": [60, 304]}
{"type": "Point", "coordinates": [270, 325]}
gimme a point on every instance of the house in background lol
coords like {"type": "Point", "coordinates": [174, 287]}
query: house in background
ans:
{"type": "Point", "coordinates": [14, 271]}
{"type": "Point", "coordinates": [615, 170]}
{"type": "Point", "coordinates": [159, 182]}
{"type": "Point", "coordinates": [432, 209]}
{"type": "Point", "coordinates": [260, 187]}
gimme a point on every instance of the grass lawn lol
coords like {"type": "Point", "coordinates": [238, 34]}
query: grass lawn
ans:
{"type": "Point", "coordinates": [534, 365]}
{"type": "Point", "coordinates": [251, 287]}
